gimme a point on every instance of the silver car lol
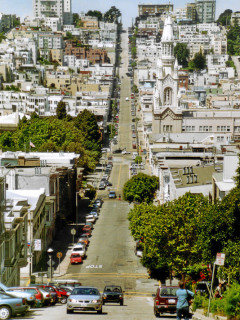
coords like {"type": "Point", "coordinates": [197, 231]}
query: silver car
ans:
{"type": "Point", "coordinates": [84, 299]}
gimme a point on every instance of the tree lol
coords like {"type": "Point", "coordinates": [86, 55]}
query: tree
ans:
{"type": "Point", "coordinates": [198, 62]}
{"type": "Point", "coordinates": [225, 17]}
{"type": "Point", "coordinates": [90, 192]}
{"type": "Point", "coordinates": [95, 13]}
{"type": "Point", "coordinates": [140, 188]}
{"type": "Point", "coordinates": [112, 14]}
{"type": "Point", "coordinates": [75, 18]}
{"type": "Point", "coordinates": [87, 124]}
{"type": "Point", "coordinates": [61, 110]}
{"type": "Point", "coordinates": [181, 52]}
{"type": "Point", "coordinates": [2, 36]}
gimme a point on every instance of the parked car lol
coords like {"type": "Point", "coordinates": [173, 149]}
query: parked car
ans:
{"type": "Point", "coordinates": [112, 195]}
{"type": "Point", "coordinates": [165, 300]}
{"type": "Point", "coordinates": [30, 297]}
{"type": "Point", "coordinates": [90, 224]}
{"type": "Point", "coordinates": [33, 290]}
{"type": "Point", "coordinates": [99, 202]}
{"type": "Point", "coordinates": [47, 298]}
{"type": "Point", "coordinates": [75, 258]}
{"type": "Point", "coordinates": [83, 239]}
{"type": "Point", "coordinates": [11, 306]}
{"type": "Point", "coordinates": [113, 293]}
{"type": "Point", "coordinates": [203, 287]}
{"type": "Point", "coordinates": [109, 184]}
{"type": "Point", "coordinates": [90, 218]}
{"type": "Point", "coordinates": [87, 233]}
{"type": "Point", "coordinates": [85, 299]}
{"type": "Point", "coordinates": [54, 296]}
{"type": "Point", "coordinates": [126, 152]}
{"type": "Point", "coordinates": [117, 151]}
{"type": "Point", "coordinates": [102, 186]}
{"type": "Point", "coordinates": [80, 248]}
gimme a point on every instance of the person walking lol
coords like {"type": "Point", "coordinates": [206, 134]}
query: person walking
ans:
{"type": "Point", "coordinates": [183, 304]}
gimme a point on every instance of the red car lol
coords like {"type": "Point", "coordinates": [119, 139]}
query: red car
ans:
{"type": "Point", "coordinates": [75, 258]}
{"type": "Point", "coordinates": [87, 234]}
{"type": "Point", "coordinates": [86, 228]}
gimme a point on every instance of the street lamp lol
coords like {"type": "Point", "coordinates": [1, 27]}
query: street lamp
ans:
{"type": "Point", "coordinates": [50, 262]}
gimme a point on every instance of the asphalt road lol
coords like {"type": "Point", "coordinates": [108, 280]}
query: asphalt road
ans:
{"type": "Point", "coordinates": [110, 257]}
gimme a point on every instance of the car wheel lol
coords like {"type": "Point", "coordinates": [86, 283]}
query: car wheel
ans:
{"type": "Point", "coordinates": [99, 311]}
{"type": "Point", "coordinates": [63, 300]}
{"type": "Point", "coordinates": [69, 311]}
{"type": "Point", "coordinates": [121, 303]}
{"type": "Point", "coordinates": [5, 313]}
{"type": "Point", "coordinates": [157, 315]}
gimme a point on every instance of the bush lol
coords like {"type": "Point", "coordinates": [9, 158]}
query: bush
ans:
{"type": "Point", "coordinates": [229, 305]}
{"type": "Point", "coordinates": [199, 301]}
{"type": "Point", "coordinates": [232, 301]}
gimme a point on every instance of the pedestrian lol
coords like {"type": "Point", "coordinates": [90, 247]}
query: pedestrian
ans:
{"type": "Point", "coordinates": [183, 301]}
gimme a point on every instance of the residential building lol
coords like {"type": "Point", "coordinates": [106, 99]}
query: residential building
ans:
{"type": "Point", "coordinates": [191, 12]}
{"type": "Point", "coordinates": [206, 11]}
{"type": "Point", "coordinates": [53, 9]}
{"type": "Point", "coordinates": [154, 9]}
{"type": "Point", "coordinates": [235, 18]}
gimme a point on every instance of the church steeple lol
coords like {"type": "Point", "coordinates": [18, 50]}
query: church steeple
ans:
{"type": "Point", "coordinates": [166, 86]}
{"type": "Point", "coordinates": [167, 39]}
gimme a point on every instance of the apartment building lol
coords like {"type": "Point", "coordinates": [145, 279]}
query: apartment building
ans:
{"type": "Point", "coordinates": [154, 9]}
{"type": "Point", "coordinates": [206, 11]}
{"type": "Point", "coordinates": [81, 52]}
{"type": "Point", "coordinates": [53, 9]}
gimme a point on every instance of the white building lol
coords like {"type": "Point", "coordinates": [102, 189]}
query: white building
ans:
{"type": "Point", "coordinates": [53, 8]}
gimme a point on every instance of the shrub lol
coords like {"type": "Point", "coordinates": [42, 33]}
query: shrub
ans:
{"type": "Point", "coordinates": [232, 301]}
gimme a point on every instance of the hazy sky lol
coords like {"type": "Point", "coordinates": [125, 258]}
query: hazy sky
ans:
{"type": "Point", "coordinates": [128, 7]}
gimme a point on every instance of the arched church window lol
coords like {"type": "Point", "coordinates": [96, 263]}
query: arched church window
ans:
{"type": "Point", "coordinates": [168, 96]}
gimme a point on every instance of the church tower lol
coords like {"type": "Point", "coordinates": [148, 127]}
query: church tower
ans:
{"type": "Point", "coordinates": [166, 87]}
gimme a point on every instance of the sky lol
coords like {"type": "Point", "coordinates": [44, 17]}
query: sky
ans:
{"type": "Point", "coordinates": [128, 8]}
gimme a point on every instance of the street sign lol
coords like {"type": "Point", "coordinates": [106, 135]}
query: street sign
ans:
{"type": "Point", "coordinates": [73, 231]}
{"type": "Point", "coordinates": [220, 259]}
{"type": "Point", "coordinates": [37, 245]}
{"type": "Point", "coordinates": [49, 263]}
{"type": "Point", "coordinates": [59, 255]}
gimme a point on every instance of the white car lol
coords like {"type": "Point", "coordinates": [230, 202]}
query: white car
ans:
{"type": "Point", "coordinates": [127, 99]}
{"type": "Point", "coordinates": [79, 248]}
{"type": "Point", "coordinates": [90, 218]}
{"type": "Point", "coordinates": [126, 152]}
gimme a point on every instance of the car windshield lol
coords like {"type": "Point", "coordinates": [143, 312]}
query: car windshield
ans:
{"type": "Point", "coordinates": [168, 292]}
{"type": "Point", "coordinates": [75, 256]}
{"type": "Point", "coordinates": [78, 249]}
{"type": "Point", "coordinates": [85, 291]}
{"type": "Point", "coordinates": [113, 289]}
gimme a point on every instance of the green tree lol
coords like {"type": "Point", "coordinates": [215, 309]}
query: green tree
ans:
{"type": "Point", "coordinates": [95, 13]}
{"type": "Point", "coordinates": [61, 111]}
{"type": "Point", "coordinates": [75, 18]}
{"type": "Point", "coordinates": [2, 36]}
{"type": "Point", "coordinates": [140, 188]}
{"type": "Point", "coordinates": [90, 192]}
{"type": "Point", "coordinates": [225, 17]}
{"type": "Point", "coordinates": [181, 52]}
{"type": "Point", "coordinates": [87, 124]}
{"type": "Point", "coordinates": [112, 14]}
{"type": "Point", "coordinates": [198, 62]}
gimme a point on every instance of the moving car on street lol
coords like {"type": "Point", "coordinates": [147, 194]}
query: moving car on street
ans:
{"type": "Point", "coordinates": [84, 299]}
{"type": "Point", "coordinates": [113, 293]}
{"type": "Point", "coordinates": [112, 195]}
